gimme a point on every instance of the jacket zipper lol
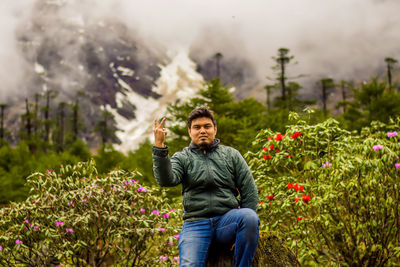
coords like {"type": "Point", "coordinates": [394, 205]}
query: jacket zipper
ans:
{"type": "Point", "coordinates": [208, 177]}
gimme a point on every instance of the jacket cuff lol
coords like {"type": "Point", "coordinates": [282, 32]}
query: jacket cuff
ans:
{"type": "Point", "coordinates": [161, 152]}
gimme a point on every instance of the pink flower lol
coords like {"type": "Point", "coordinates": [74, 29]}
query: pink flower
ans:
{"type": "Point", "coordinates": [60, 223]}
{"type": "Point", "coordinates": [83, 178]}
{"type": "Point", "coordinates": [70, 203]}
{"type": "Point", "coordinates": [155, 212]}
{"type": "Point", "coordinates": [170, 243]}
{"type": "Point", "coordinates": [26, 221]}
{"type": "Point", "coordinates": [142, 189]}
{"type": "Point", "coordinates": [163, 258]}
{"type": "Point", "coordinates": [141, 211]}
{"type": "Point", "coordinates": [176, 236]}
{"type": "Point", "coordinates": [69, 230]}
{"type": "Point", "coordinates": [134, 204]}
{"type": "Point", "coordinates": [397, 165]}
{"type": "Point", "coordinates": [162, 230]}
{"type": "Point", "coordinates": [36, 227]}
{"type": "Point", "coordinates": [18, 242]}
{"type": "Point", "coordinates": [166, 215]}
{"type": "Point", "coordinates": [326, 165]}
{"type": "Point", "coordinates": [392, 134]}
{"type": "Point", "coordinates": [176, 259]}
{"type": "Point", "coordinates": [377, 147]}
{"type": "Point", "coordinates": [171, 210]}
{"type": "Point", "coordinates": [1, 248]}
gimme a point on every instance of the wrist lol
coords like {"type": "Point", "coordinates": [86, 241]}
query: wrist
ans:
{"type": "Point", "coordinates": [159, 145]}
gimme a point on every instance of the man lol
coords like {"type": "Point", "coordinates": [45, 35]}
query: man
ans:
{"type": "Point", "coordinates": [212, 176]}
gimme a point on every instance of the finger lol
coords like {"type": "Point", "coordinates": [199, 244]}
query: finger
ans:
{"type": "Point", "coordinates": [162, 123]}
{"type": "Point", "coordinates": [155, 123]}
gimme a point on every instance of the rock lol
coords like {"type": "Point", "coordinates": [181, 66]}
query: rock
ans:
{"type": "Point", "coordinates": [271, 252]}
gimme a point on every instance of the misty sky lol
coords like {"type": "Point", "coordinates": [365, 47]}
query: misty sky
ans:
{"type": "Point", "coordinates": [336, 38]}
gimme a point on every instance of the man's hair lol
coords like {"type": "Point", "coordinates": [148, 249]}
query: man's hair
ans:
{"type": "Point", "coordinates": [201, 112]}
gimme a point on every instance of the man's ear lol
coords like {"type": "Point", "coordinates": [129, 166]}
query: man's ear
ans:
{"type": "Point", "coordinates": [215, 129]}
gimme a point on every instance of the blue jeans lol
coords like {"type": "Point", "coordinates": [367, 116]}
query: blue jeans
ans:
{"type": "Point", "coordinates": [237, 226]}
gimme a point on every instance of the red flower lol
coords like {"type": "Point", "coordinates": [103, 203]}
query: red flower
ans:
{"type": "Point", "coordinates": [259, 191]}
{"type": "Point", "coordinates": [278, 137]}
{"type": "Point", "coordinates": [296, 199]}
{"type": "Point", "coordinates": [306, 198]}
{"type": "Point", "coordinates": [290, 186]}
{"type": "Point", "coordinates": [271, 147]}
{"type": "Point", "coordinates": [288, 156]}
{"type": "Point", "coordinates": [271, 197]}
{"type": "Point", "coordinates": [269, 138]}
{"type": "Point", "coordinates": [277, 150]}
{"type": "Point", "coordinates": [262, 202]}
{"type": "Point", "coordinates": [296, 187]}
{"type": "Point", "coordinates": [301, 188]}
{"type": "Point", "coordinates": [267, 157]}
{"type": "Point", "coordinates": [295, 135]}
{"type": "Point", "coordinates": [299, 218]}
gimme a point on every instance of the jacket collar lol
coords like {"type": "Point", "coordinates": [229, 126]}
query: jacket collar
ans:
{"type": "Point", "coordinates": [213, 145]}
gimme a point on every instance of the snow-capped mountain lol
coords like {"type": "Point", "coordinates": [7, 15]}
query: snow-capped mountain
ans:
{"type": "Point", "coordinates": [178, 80]}
{"type": "Point", "coordinates": [107, 64]}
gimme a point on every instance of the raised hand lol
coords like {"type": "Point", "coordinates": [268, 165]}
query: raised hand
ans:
{"type": "Point", "coordinates": [159, 133]}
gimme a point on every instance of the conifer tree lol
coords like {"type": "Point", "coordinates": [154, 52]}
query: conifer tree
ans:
{"type": "Point", "coordinates": [238, 121]}
{"type": "Point", "coordinates": [389, 66]}
{"type": "Point", "coordinates": [218, 57]}
{"type": "Point", "coordinates": [282, 60]}
{"type": "Point", "coordinates": [371, 102]}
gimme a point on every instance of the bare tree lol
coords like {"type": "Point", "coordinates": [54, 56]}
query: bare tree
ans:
{"type": "Point", "coordinates": [2, 108]}
{"type": "Point", "coordinates": [326, 84]}
{"type": "Point", "coordinates": [48, 94]}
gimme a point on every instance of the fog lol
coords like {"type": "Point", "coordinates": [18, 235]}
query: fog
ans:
{"type": "Point", "coordinates": [341, 39]}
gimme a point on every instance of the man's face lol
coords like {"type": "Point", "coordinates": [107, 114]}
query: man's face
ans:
{"type": "Point", "coordinates": [202, 131]}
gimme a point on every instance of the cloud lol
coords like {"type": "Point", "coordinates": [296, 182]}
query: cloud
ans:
{"type": "Point", "coordinates": [340, 39]}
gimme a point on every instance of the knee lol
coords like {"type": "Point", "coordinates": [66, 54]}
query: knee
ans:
{"type": "Point", "coordinates": [250, 218]}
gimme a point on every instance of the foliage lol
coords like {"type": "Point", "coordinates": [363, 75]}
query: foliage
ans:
{"type": "Point", "coordinates": [333, 196]}
{"type": "Point", "coordinates": [77, 217]}
{"type": "Point", "coordinates": [141, 160]}
{"type": "Point", "coordinates": [18, 163]}
{"type": "Point", "coordinates": [372, 102]}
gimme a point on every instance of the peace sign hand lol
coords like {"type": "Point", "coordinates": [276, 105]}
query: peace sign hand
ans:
{"type": "Point", "coordinates": [159, 133]}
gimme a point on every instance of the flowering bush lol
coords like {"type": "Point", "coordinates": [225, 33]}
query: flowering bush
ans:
{"type": "Point", "coordinates": [77, 217]}
{"type": "Point", "coordinates": [335, 194]}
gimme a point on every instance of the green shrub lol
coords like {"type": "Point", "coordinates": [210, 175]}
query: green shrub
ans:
{"type": "Point", "coordinates": [331, 195]}
{"type": "Point", "coordinates": [77, 217]}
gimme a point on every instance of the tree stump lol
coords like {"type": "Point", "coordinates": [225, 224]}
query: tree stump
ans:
{"type": "Point", "coordinates": [271, 252]}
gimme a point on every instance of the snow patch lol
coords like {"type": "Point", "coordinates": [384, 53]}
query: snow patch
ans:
{"type": "Point", "coordinates": [178, 80]}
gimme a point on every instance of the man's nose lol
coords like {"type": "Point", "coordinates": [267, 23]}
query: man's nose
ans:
{"type": "Point", "coordinates": [202, 130]}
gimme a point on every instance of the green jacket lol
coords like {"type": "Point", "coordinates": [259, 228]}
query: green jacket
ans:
{"type": "Point", "coordinates": [211, 179]}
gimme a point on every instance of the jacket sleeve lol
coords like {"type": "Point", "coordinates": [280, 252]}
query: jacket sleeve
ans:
{"type": "Point", "coordinates": [167, 171]}
{"type": "Point", "coordinates": [245, 183]}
